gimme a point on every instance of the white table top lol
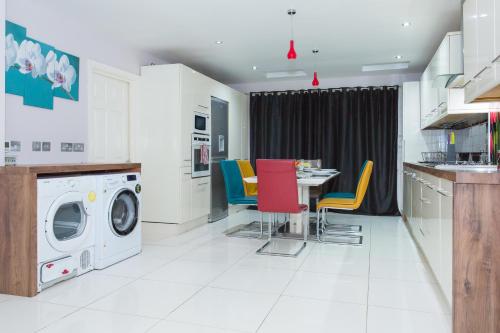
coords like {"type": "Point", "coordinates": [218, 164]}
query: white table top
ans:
{"type": "Point", "coordinates": [307, 182]}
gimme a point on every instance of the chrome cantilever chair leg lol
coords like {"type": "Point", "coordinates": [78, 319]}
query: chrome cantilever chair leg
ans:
{"type": "Point", "coordinates": [269, 239]}
{"type": "Point", "coordinates": [261, 225]}
{"type": "Point", "coordinates": [318, 223]}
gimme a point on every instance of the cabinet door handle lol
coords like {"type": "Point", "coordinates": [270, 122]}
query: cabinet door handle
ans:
{"type": "Point", "coordinates": [425, 201]}
{"type": "Point", "coordinates": [481, 72]}
{"type": "Point", "coordinates": [201, 184]}
{"type": "Point", "coordinates": [419, 229]}
{"type": "Point", "coordinates": [446, 194]}
{"type": "Point", "coordinates": [203, 106]}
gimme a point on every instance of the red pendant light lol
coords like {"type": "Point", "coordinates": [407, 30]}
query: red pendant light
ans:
{"type": "Point", "coordinates": [315, 81]}
{"type": "Point", "coordinates": [291, 55]}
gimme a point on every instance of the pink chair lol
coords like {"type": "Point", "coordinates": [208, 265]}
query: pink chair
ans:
{"type": "Point", "coordinates": [278, 193]}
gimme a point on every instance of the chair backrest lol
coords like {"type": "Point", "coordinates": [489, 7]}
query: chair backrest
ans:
{"type": "Point", "coordinates": [278, 191]}
{"type": "Point", "coordinates": [364, 181]}
{"type": "Point", "coordinates": [246, 170]}
{"type": "Point", "coordinates": [232, 180]}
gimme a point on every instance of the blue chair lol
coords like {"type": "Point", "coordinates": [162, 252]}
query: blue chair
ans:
{"type": "Point", "coordinates": [234, 184]}
{"type": "Point", "coordinates": [235, 192]}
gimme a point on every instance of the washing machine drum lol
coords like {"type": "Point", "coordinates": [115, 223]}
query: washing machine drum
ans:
{"type": "Point", "coordinates": [66, 226]}
{"type": "Point", "coordinates": [124, 212]}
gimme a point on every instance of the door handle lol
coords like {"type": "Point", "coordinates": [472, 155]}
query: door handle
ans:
{"type": "Point", "coordinates": [200, 184]}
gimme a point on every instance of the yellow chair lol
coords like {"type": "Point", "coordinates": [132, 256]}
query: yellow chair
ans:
{"type": "Point", "coordinates": [342, 200]}
{"type": "Point", "coordinates": [246, 170]}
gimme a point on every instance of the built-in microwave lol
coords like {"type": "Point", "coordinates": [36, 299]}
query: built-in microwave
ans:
{"type": "Point", "coordinates": [201, 123]}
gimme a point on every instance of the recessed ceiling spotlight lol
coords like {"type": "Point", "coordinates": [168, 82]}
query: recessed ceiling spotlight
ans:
{"type": "Point", "coordinates": [398, 57]}
{"type": "Point", "coordinates": [406, 24]}
{"type": "Point", "coordinates": [254, 68]}
{"type": "Point", "coordinates": [219, 42]}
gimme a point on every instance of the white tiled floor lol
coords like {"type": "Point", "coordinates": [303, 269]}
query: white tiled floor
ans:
{"type": "Point", "coordinates": [205, 282]}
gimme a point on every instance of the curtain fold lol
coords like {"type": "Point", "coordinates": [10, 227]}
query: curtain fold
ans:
{"type": "Point", "coordinates": [342, 127]}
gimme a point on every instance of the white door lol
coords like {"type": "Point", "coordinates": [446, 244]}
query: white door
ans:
{"type": "Point", "coordinates": [109, 119]}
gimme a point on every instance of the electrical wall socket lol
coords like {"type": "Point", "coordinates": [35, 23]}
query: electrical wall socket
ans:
{"type": "Point", "coordinates": [78, 147]}
{"type": "Point", "coordinates": [66, 147]}
{"type": "Point", "coordinates": [10, 160]}
{"type": "Point", "coordinates": [15, 146]}
{"type": "Point", "coordinates": [46, 146]}
{"type": "Point", "coordinates": [36, 146]}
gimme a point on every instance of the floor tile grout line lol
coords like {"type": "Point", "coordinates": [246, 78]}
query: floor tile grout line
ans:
{"type": "Point", "coordinates": [207, 285]}
{"type": "Point", "coordinates": [284, 289]}
{"type": "Point", "coordinates": [368, 289]}
{"type": "Point", "coordinates": [410, 310]}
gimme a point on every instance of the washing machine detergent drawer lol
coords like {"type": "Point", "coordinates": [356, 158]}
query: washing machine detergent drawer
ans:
{"type": "Point", "coordinates": [57, 270]}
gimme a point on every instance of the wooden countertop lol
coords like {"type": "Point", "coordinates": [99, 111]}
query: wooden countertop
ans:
{"type": "Point", "coordinates": [460, 177]}
{"type": "Point", "coordinates": [53, 169]}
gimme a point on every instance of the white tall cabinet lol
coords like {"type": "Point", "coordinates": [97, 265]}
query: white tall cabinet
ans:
{"type": "Point", "coordinates": [165, 99]}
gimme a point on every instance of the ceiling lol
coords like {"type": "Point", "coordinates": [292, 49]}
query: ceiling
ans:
{"type": "Point", "coordinates": [348, 33]}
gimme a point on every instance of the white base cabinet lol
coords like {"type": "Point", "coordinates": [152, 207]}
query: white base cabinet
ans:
{"type": "Point", "coordinates": [428, 207]}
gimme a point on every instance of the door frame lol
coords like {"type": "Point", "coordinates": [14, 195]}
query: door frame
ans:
{"type": "Point", "coordinates": [94, 67]}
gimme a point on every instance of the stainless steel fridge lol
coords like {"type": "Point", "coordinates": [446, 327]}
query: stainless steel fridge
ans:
{"type": "Point", "coordinates": [219, 139]}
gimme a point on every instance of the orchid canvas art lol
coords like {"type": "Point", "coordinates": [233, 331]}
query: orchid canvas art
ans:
{"type": "Point", "coordinates": [37, 71]}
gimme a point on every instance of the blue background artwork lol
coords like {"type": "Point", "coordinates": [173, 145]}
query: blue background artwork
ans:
{"type": "Point", "coordinates": [38, 72]}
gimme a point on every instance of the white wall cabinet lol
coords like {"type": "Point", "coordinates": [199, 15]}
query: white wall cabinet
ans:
{"type": "Point", "coordinates": [428, 207]}
{"type": "Point", "coordinates": [166, 98]}
{"type": "Point", "coordinates": [441, 106]}
{"type": "Point", "coordinates": [481, 50]}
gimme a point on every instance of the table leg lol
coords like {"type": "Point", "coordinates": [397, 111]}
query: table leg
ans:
{"type": "Point", "coordinates": [296, 223]}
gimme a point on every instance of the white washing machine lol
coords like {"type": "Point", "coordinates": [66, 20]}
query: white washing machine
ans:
{"type": "Point", "coordinates": [118, 233]}
{"type": "Point", "coordinates": [66, 227]}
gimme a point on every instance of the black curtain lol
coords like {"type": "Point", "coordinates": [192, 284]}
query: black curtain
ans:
{"type": "Point", "coordinates": [343, 127]}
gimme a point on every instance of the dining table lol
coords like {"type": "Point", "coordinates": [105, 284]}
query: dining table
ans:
{"type": "Point", "coordinates": [305, 180]}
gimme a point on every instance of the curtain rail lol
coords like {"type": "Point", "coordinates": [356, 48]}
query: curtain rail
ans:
{"type": "Point", "coordinates": [304, 91]}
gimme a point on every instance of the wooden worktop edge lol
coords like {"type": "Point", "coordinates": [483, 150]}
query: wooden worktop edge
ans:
{"type": "Point", "coordinates": [71, 168]}
{"type": "Point", "coordinates": [459, 177]}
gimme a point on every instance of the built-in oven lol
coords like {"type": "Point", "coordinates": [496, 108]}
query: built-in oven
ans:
{"type": "Point", "coordinates": [200, 154]}
{"type": "Point", "coordinates": [201, 123]}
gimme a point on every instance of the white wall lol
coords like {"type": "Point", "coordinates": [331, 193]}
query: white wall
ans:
{"type": "Point", "coordinates": [67, 122]}
{"type": "Point", "coordinates": [350, 81]}
{"type": "Point", "coordinates": [2, 83]}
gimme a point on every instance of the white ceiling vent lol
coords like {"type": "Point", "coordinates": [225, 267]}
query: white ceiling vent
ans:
{"type": "Point", "coordinates": [385, 67]}
{"type": "Point", "coordinates": [281, 75]}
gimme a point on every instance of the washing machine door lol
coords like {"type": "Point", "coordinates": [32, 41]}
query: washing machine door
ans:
{"type": "Point", "coordinates": [124, 212]}
{"type": "Point", "coordinates": [66, 224]}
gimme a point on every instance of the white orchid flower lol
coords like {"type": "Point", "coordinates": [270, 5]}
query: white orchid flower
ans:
{"type": "Point", "coordinates": [61, 73]}
{"type": "Point", "coordinates": [30, 59]}
{"type": "Point", "coordinates": [11, 48]}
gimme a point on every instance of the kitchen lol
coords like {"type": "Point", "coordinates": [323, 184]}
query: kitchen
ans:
{"type": "Point", "coordinates": [175, 170]}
